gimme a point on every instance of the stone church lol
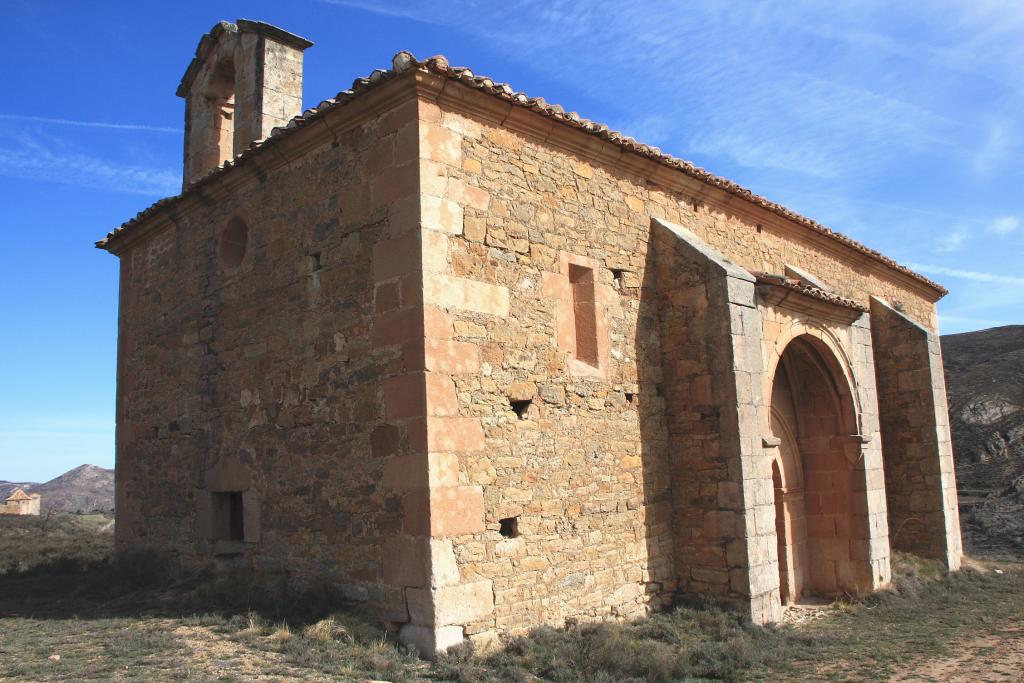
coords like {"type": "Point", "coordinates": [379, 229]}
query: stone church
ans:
{"type": "Point", "coordinates": [21, 503]}
{"type": "Point", "coordinates": [485, 364]}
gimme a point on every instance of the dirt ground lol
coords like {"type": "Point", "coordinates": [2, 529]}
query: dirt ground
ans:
{"type": "Point", "coordinates": [995, 658]}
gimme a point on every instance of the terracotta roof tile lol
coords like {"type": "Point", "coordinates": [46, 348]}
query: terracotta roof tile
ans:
{"type": "Point", "coordinates": [807, 290]}
{"type": "Point", "coordinates": [404, 61]}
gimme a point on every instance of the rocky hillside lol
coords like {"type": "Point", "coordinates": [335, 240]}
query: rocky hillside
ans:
{"type": "Point", "coordinates": [985, 384]}
{"type": "Point", "coordinates": [86, 488]}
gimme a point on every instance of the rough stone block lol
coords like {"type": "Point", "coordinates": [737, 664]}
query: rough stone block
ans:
{"type": "Point", "coordinates": [450, 605]}
{"type": "Point", "coordinates": [407, 472]}
{"type": "Point", "coordinates": [449, 357]}
{"type": "Point", "coordinates": [441, 215]}
{"type": "Point", "coordinates": [454, 434]}
{"type": "Point", "coordinates": [448, 291]}
{"type": "Point", "coordinates": [428, 640]}
{"type": "Point", "coordinates": [441, 512]}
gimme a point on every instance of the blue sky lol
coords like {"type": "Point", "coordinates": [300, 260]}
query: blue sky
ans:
{"type": "Point", "coordinates": [896, 123]}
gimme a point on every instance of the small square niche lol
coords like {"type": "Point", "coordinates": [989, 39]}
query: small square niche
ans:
{"type": "Point", "coordinates": [617, 278]}
{"type": "Point", "coordinates": [509, 527]}
{"type": "Point", "coordinates": [522, 408]}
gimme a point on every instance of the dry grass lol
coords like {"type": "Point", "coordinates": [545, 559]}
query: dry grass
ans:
{"type": "Point", "coordinates": [141, 618]}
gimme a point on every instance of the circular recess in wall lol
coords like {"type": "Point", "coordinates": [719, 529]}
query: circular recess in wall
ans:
{"type": "Point", "coordinates": [234, 242]}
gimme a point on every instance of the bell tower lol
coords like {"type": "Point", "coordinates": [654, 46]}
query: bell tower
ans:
{"type": "Point", "coordinates": [245, 79]}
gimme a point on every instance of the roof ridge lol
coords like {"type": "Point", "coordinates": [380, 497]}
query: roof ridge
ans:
{"type": "Point", "coordinates": [405, 61]}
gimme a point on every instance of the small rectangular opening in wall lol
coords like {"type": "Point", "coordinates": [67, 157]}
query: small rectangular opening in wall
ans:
{"type": "Point", "coordinates": [584, 304]}
{"type": "Point", "coordinates": [630, 397]}
{"type": "Point", "coordinates": [509, 527]}
{"type": "Point", "coordinates": [617, 276]}
{"type": "Point", "coordinates": [228, 514]}
{"type": "Point", "coordinates": [522, 408]}
{"type": "Point", "coordinates": [315, 262]}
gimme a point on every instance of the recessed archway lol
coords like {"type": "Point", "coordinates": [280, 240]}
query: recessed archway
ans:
{"type": "Point", "coordinates": [818, 476]}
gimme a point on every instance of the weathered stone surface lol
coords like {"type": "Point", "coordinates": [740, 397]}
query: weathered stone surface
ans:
{"type": "Point", "coordinates": [429, 640]}
{"type": "Point", "coordinates": [921, 485]}
{"type": "Point", "coordinates": [450, 605]}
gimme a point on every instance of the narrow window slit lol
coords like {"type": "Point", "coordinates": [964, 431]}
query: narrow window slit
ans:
{"type": "Point", "coordinates": [315, 262]}
{"type": "Point", "coordinates": [228, 516]}
{"type": "Point", "coordinates": [585, 313]}
{"type": "Point", "coordinates": [510, 527]}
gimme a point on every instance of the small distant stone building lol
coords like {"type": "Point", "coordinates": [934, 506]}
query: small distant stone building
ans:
{"type": "Point", "coordinates": [485, 364]}
{"type": "Point", "coordinates": [21, 503]}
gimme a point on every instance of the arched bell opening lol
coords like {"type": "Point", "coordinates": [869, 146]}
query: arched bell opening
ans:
{"type": "Point", "coordinates": [217, 116]}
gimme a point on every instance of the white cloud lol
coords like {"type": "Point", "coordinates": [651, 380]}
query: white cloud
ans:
{"type": "Point", "coordinates": [390, 9]}
{"type": "Point", "coordinates": [825, 92]}
{"type": "Point", "coordinates": [1005, 225]}
{"type": "Point", "coordinates": [54, 162]}
{"type": "Point", "coordinates": [996, 148]}
{"type": "Point", "coordinates": [976, 276]}
{"type": "Point", "coordinates": [954, 240]}
{"type": "Point", "coordinates": [959, 237]}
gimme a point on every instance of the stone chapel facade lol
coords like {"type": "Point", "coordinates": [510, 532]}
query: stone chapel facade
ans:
{"type": "Point", "coordinates": [488, 365]}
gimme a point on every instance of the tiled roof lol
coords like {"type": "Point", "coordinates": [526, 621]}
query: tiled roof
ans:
{"type": "Point", "coordinates": [19, 494]}
{"type": "Point", "coordinates": [807, 290]}
{"type": "Point", "coordinates": [404, 61]}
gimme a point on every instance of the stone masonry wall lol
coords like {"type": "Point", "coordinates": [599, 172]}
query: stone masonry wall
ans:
{"type": "Point", "coordinates": [724, 516]}
{"type": "Point", "coordinates": [588, 471]}
{"type": "Point", "coordinates": [269, 377]}
{"type": "Point", "coordinates": [921, 486]}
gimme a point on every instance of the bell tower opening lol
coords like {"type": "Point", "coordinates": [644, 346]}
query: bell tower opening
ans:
{"type": "Point", "coordinates": [219, 96]}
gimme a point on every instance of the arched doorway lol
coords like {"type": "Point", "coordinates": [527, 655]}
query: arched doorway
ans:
{"type": "Point", "coordinates": [818, 479]}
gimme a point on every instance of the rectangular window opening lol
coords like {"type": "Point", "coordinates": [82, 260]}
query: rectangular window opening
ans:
{"type": "Point", "coordinates": [617, 278]}
{"type": "Point", "coordinates": [315, 262]}
{"type": "Point", "coordinates": [509, 527]}
{"type": "Point", "coordinates": [228, 516]}
{"type": "Point", "coordinates": [522, 408]}
{"type": "Point", "coordinates": [584, 304]}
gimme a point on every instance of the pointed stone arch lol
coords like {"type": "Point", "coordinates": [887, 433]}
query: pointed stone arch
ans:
{"type": "Point", "coordinates": [821, 523]}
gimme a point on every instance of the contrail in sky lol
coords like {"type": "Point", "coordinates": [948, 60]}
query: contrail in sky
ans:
{"type": "Point", "coordinates": [90, 124]}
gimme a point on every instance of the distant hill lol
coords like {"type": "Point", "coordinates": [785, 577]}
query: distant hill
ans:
{"type": "Point", "coordinates": [985, 385]}
{"type": "Point", "coordinates": [9, 487]}
{"type": "Point", "coordinates": [86, 488]}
